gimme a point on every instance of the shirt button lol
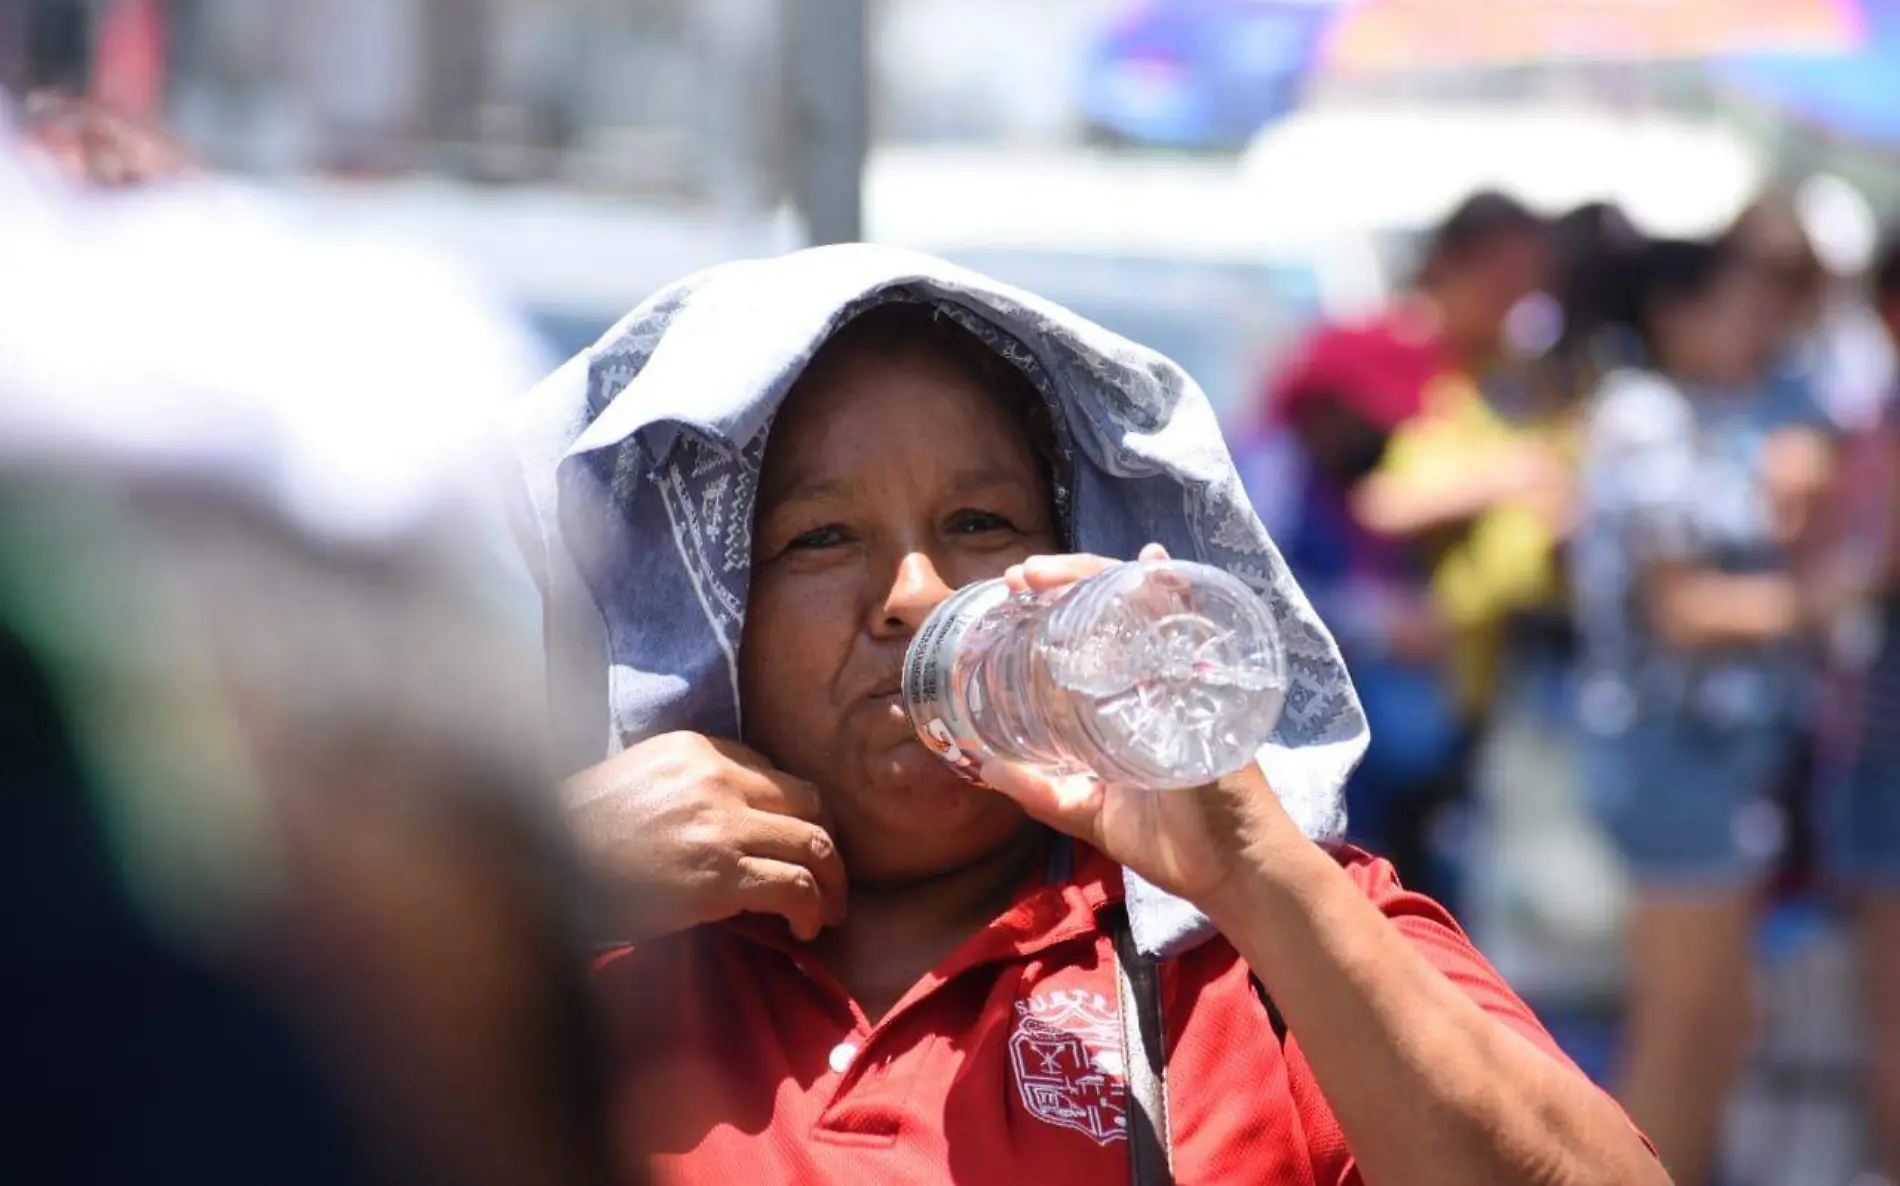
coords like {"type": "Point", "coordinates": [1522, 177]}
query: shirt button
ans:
{"type": "Point", "coordinates": [842, 1056]}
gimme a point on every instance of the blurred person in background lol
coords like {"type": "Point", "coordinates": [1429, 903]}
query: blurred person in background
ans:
{"type": "Point", "coordinates": [1794, 344]}
{"type": "Point", "coordinates": [1402, 456]}
{"type": "Point", "coordinates": [284, 899]}
{"type": "Point", "coordinates": [1695, 669]}
{"type": "Point", "coordinates": [1860, 810]}
{"type": "Point", "coordinates": [1594, 248]}
{"type": "Point", "coordinates": [849, 963]}
{"type": "Point", "coordinates": [1547, 883]}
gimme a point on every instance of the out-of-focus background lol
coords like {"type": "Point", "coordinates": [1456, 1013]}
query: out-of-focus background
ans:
{"type": "Point", "coordinates": [1207, 174]}
{"type": "Point", "coordinates": [1216, 179]}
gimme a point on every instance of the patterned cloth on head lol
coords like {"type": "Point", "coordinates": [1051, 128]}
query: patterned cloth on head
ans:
{"type": "Point", "coordinates": [641, 458]}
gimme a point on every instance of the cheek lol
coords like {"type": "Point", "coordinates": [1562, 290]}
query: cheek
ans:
{"type": "Point", "coordinates": [798, 634]}
{"type": "Point", "coordinates": [963, 566]}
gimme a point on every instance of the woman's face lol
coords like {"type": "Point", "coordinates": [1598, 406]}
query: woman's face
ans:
{"type": "Point", "coordinates": [889, 482]}
{"type": "Point", "coordinates": [1716, 336]}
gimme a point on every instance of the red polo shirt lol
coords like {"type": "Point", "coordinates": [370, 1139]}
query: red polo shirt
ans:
{"type": "Point", "coordinates": [748, 1065]}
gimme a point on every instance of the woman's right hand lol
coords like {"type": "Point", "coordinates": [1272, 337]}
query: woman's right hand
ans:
{"type": "Point", "coordinates": [686, 829]}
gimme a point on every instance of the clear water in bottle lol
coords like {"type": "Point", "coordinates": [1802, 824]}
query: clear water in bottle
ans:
{"type": "Point", "coordinates": [1155, 674]}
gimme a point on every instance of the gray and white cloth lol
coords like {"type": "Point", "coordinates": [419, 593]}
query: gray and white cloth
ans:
{"type": "Point", "coordinates": [640, 462]}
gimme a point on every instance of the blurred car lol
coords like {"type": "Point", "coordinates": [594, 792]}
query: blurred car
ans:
{"type": "Point", "coordinates": [571, 263]}
{"type": "Point", "coordinates": [1168, 252]}
{"type": "Point", "coordinates": [1222, 322]}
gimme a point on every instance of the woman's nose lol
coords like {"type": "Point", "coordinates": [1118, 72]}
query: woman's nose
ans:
{"type": "Point", "coordinates": [916, 589]}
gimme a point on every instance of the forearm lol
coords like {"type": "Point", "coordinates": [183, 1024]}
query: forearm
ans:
{"type": "Point", "coordinates": [1390, 505]}
{"type": "Point", "coordinates": [1427, 1087]}
{"type": "Point", "coordinates": [1692, 609]}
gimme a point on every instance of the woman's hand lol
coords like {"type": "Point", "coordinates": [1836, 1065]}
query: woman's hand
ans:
{"type": "Point", "coordinates": [688, 829]}
{"type": "Point", "coordinates": [1189, 843]}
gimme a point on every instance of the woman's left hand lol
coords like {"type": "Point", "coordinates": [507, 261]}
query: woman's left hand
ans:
{"type": "Point", "coordinates": [1191, 842]}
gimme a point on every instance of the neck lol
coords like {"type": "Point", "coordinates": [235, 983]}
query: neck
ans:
{"type": "Point", "coordinates": [1444, 309]}
{"type": "Point", "coordinates": [896, 931]}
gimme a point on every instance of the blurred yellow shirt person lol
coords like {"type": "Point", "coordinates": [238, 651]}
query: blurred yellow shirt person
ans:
{"type": "Point", "coordinates": [1509, 483]}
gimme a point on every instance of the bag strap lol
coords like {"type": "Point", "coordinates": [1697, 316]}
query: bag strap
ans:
{"type": "Point", "coordinates": [1145, 1059]}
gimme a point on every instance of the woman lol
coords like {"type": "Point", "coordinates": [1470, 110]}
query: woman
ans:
{"type": "Point", "coordinates": [849, 964]}
{"type": "Point", "coordinates": [1860, 809]}
{"type": "Point", "coordinates": [1694, 671]}
{"type": "Point", "coordinates": [1398, 533]}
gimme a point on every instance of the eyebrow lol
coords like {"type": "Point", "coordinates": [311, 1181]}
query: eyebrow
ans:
{"type": "Point", "coordinates": [836, 490]}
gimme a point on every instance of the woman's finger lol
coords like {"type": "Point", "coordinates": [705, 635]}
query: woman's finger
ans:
{"type": "Point", "coordinates": [798, 842]}
{"type": "Point", "coordinates": [767, 789]}
{"type": "Point", "coordinates": [778, 887]}
{"type": "Point", "coordinates": [1071, 803]}
{"type": "Point", "coordinates": [1040, 574]}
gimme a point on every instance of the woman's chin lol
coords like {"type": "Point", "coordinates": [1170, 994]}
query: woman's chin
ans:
{"type": "Point", "coordinates": [908, 790]}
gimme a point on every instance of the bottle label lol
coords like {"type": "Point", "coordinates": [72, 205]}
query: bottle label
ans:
{"type": "Point", "coordinates": [929, 664]}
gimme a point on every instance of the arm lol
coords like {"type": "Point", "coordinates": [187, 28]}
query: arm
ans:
{"type": "Point", "coordinates": [1692, 608]}
{"type": "Point", "coordinates": [1447, 468]}
{"type": "Point", "coordinates": [1402, 505]}
{"type": "Point", "coordinates": [1427, 1086]}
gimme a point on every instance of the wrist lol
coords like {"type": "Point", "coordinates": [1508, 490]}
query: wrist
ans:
{"type": "Point", "coordinates": [1268, 857]}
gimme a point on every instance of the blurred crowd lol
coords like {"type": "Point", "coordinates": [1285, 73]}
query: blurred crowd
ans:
{"type": "Point", "coordinates": [1603, 524]}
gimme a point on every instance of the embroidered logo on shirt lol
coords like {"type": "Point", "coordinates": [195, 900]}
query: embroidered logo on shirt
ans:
{"type": "Point", "coordinates": [1067, 1056]}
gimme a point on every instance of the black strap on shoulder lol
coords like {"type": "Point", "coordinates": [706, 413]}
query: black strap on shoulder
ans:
{"type": "Point", "coordinates": [1145, 1059]}
{"type": "Point", "coordinates": [1277, 1022]}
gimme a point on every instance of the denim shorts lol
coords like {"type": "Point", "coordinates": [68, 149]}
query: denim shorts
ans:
{"type": "Point", "coordinates": [1692, 804]}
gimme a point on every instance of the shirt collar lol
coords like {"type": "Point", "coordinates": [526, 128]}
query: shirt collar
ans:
{"type": "Point", "coordinates": [1059, 905]}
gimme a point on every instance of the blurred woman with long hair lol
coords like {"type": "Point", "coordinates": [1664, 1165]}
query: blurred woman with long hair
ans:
{"type": "Point", "coordinates": [1694, 665]}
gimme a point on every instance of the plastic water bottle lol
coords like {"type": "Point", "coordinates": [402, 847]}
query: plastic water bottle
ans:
{"type": "Point", "coordinates": [1152, 674]}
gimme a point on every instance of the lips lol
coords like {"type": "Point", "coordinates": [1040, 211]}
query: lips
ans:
{"type": "Point", "coordinates": [890, 686]}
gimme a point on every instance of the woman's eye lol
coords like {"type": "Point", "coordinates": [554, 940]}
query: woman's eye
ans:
{"type": "Point", "coordinates": [816, 538]}
{"type": "Point", "coordinates": [978, 522]}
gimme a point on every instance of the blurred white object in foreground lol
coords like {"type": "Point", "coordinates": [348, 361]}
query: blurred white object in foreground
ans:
{"type": "Point", "coordinates": [345, 383]}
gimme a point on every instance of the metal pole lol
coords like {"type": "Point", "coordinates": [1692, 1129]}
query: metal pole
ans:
{"type": "Point", "coordinates": [741, 45]}
{"type": "Point", "coordinates": [827, 48]}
